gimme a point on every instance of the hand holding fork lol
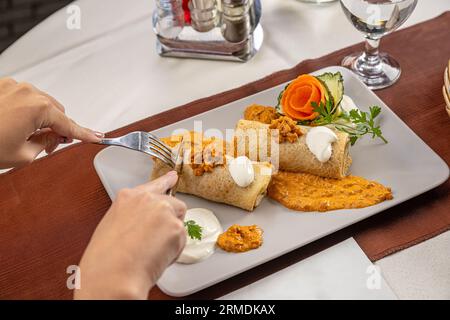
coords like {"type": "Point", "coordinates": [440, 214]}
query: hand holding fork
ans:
{"type": "Point", "coordinates": [150, 144]}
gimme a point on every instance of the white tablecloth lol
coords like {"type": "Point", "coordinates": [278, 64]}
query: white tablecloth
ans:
{"type": "Point", "coordinates": [313, 278]}
{"type": "Point", "coordinates": [107, 74]}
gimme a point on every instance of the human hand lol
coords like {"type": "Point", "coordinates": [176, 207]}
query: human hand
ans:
{"type": "Point", "coordinates": [32, 121]}
{"type": "Point", "coordinates": [138, 238]}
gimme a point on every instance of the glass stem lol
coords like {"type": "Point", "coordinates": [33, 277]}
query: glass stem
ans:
{"type": "Point", "coordinates": [372, 57]}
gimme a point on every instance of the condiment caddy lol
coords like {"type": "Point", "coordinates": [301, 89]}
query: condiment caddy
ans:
{"type": "Point", "coordinates": [208, 29]}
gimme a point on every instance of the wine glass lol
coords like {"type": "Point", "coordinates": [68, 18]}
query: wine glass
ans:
{"type": "Point", "coordinates": [376, 18]}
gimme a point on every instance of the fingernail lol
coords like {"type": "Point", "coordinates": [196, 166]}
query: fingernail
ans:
{"type": "Point", "coordinates": [99, 134]}
{"type": "Point", "coordinates": [172, 173]}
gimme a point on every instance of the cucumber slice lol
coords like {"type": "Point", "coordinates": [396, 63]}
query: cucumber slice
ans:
{"type": "Point", "coordinates": [334, 82]}
{"type": "Point", "coordinates": [278, 107]}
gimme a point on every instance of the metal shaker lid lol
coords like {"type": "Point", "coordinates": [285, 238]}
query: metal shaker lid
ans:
{"type": "Point", "coordinates": [235, 2]}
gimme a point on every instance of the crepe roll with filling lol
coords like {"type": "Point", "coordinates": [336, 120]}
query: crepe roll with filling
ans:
{"type": "Point", "coordinates": [296, 151]}
{"type": "Point", "coordinates": [208, 172]}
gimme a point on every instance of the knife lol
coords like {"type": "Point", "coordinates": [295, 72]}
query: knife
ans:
{"type": "Point", "coordinates": [178, 167]}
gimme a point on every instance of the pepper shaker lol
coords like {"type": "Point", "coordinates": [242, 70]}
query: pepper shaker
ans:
{"type": "Point", "coordinates": [236, 26]}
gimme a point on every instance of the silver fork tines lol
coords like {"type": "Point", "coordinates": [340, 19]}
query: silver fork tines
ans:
{"type": "Point", "coordinates": [144, 142]}
{"type": "Point", "coordinates": [152, 142]}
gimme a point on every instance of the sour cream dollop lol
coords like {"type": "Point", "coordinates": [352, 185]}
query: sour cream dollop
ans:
{"type": "Point", "coordinates": [319, 141]}
{"type": "Point", "coordinates": [241, 170]}
{"type": "Point", "coordinates": [198, 250]}
{"type": "Point", "coordinates": [347, 104]}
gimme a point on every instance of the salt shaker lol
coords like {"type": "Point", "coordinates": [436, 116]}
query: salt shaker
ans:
{"type": "Point", "coordinates": [236, 26]}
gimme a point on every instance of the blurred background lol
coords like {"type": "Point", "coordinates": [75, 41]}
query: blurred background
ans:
{"type": "Point", "coordinates": [19, 16]}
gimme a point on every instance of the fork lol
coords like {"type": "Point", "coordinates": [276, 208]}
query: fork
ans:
{"type": "Point", "coordinates": [147, 143]}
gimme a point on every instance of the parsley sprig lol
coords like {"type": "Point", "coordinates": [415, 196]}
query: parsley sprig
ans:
{"type": "Point", "coordinates": [356, 123]}
{"type": "Point", "coordinates": [326, 111]}
{"type": "Point", "coordinates": [193, 229]}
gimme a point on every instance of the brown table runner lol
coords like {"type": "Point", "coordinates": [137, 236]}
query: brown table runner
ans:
{"type": "Point", "coordinates": [49, 209]}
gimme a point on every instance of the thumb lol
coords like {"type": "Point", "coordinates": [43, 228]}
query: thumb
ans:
{"type": "Point", "coordinates": [65, 127]}
{"type": "Point", "coordinates": [160, 185]}
{"type": "Point", "coordinates": [44, 140]}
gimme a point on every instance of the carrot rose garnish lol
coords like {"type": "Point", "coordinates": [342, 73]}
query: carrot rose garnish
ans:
{"type": "Point", "coordinates": [299, 94]}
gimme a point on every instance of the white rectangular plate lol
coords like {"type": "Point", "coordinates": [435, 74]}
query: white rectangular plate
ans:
{"type": "Point", "coordinates": [406, 164]}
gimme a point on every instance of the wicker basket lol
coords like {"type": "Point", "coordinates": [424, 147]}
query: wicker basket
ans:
{"type": "Point", "coordinates": [446, 88]}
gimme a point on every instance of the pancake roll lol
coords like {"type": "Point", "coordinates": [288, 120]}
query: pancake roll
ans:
{"type": "Point", "coordinates": [205, 172]}
{"type": "Point", "coordinates": [287, 149]}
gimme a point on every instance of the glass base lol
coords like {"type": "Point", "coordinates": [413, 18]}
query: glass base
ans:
{"type": "Point", "coordinates": [382, 74]}
{"type": "Point", "coordinates": [317, 1]}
